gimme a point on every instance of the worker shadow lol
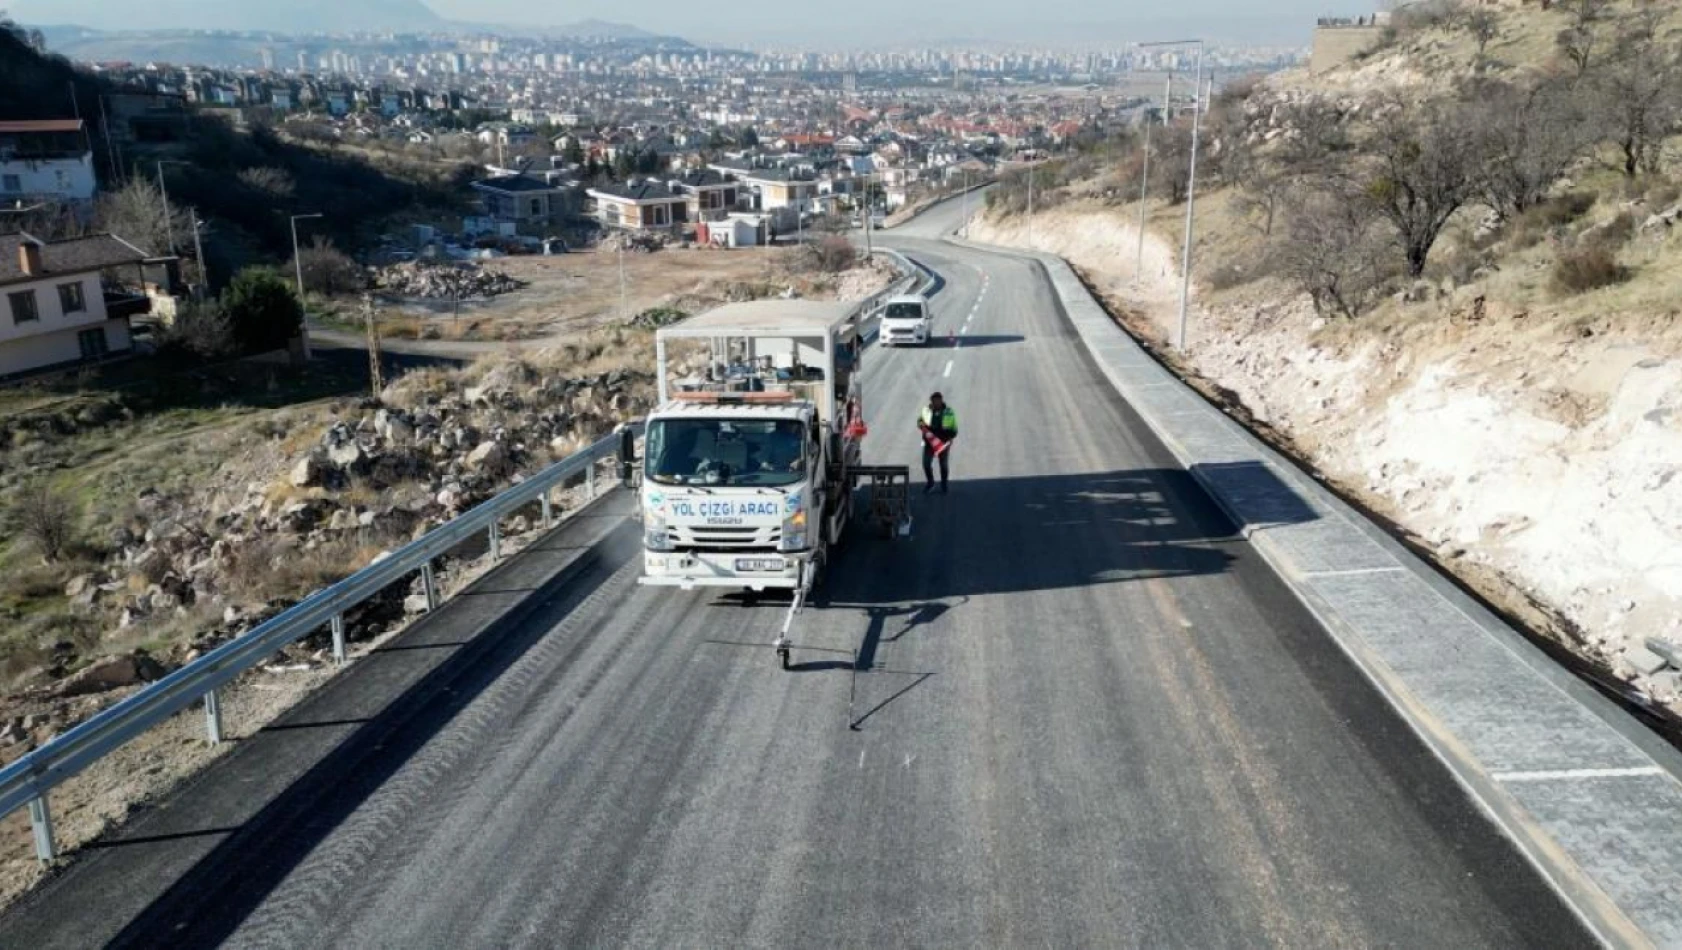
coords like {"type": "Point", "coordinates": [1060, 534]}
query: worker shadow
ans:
{"type": "Point", "coordinates": [890, 623]}
{"type": "Point", "coordinates": [1059, 532]}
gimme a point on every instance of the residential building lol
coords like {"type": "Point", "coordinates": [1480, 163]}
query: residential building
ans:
{"type": "Point", "coordinates": [54, 306]}
{"type": "Point", "coordinates": [640, 205]}
{"type": "Point", "coordinates": [46, 160]}
{"type": "Point", "coordinates": [508, 136]}
{"type": "Point", "coordinates": [710, 195]}
{"type": "Point", "coordinates": [772, 188]}
{"type": "Point", "coordinates": [532, 204]}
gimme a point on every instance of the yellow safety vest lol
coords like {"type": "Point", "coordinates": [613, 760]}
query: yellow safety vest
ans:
{"type": "Point", "coordinates": [948, 420]}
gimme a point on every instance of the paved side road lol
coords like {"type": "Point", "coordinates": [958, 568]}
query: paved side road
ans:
{"type": "Point", "coordinates": [1073, 710]}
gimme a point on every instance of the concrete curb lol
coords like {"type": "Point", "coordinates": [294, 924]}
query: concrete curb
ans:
{"type": "Point", "coordinates": [1589, 796]}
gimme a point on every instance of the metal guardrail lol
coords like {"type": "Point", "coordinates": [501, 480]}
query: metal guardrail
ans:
{"type": "Point", "coordinates": [30, 778]}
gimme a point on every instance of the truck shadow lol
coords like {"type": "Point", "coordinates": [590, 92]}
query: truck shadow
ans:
{"type": "Point", "coordinates": [1041, 533]}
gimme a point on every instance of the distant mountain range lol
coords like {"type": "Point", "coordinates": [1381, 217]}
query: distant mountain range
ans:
{"type": "Point", "coordinates": [285, 17]}
{"type": "Point", "coordinates": [293, 16]}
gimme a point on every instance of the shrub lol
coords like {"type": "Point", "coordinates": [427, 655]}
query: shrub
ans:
{"type": "Point", "coordinates": [262, 310]}
{"type": "Point", "coordinates": [1587, 268]}
{"type": "Point", "coordinates": [1615, 233]}
{"type": "Point", "coordinates": [1530, 228]}
{"type": "Point", "coordinates": [833, 254]}
{"type": "Point", "coordinates": [1566, 208]}
{"type": "Point", "coordinates": [328, 270]}
{"type": "Point", "coordinates": [199, 331]}
{"type": "Point", "coordinates": [1662, 193]}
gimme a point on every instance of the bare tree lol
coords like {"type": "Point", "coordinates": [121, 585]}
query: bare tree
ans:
{"type": "Point", "coordinates": [1423, 165]}
{"type": "Point", "coordinates": [135, 213]}
{"type": "Point", "coordinates": [1579, 42]}
{"type": "Point", "coordinates": [1585, 13]}
{"type": "Point", "coordinates": [47, 518]}
{"type": "Point", "coordinates": [1262, 183]}
{"type": "Point", "coordinates": [1337, 249]}
{"type": "Point", "coordinates": [1529, 138]}
{"type": "Point", "coordinates": [1640, 95]}
{"type": "Point", "coordinates": [1171, 163]}
{"type": "Point", "coordinates": [274, 182]}
{"type": "Point", "coordinates": [1317, 140]}
{"type": "Point", "coordinates": [1483, 25]}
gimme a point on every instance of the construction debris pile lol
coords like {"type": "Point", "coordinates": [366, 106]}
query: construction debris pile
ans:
{"type": "Point", "coordinates": [633, 241]}
{"type": "Point", "coordinates": [444, 280]}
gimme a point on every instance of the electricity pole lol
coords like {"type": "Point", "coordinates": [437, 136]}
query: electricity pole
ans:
{"type": "Point", "coordinates": [1145, 180]}
{"type": "Point", "coordinates": [1191, 183]}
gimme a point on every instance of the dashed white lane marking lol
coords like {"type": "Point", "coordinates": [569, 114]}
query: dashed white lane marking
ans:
{"type": "Point", "coordinates": [948, 370]}
{"type": "Point", "coordinates": [1561, 774]}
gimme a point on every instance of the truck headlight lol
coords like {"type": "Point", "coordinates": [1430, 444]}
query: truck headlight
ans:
{"type": "Point", "coordinates": [794, 532]}
{"type": "Point", "coordinates": [654, 534]}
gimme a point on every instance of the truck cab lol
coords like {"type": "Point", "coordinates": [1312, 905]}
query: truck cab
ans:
{"type": "Point", "coordinates": [905, 321]}
{"type": "Point", "coordinates": [745, 479]}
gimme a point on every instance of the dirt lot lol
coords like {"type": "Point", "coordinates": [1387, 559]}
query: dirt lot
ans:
{"type": "Point", "coordinates": [567, 293]}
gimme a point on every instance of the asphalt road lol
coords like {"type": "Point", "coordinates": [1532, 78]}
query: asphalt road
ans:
{"type": "Point", "coordinates": [1084, 715]}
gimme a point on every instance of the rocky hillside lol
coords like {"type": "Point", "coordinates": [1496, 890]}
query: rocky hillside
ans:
{"type": "Point", "coordinates": [1514, 403]}
{"type": "Point", "coordinates": [311, 496]}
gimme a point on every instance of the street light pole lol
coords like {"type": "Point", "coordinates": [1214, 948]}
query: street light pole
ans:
{"type": "Point", "coordinates": [169, 224]}
{"type": "Point", "coordinates": [198, 255]}
{"type": "Point", "coordinates": [964, 203]}
{"type": "Point", "coordinates": [1191, 195]}
{"type": "Point", "coordinates": [1191, 183]}
{"type": "Point", "coordinates": [298, 268]}
{"type": "Point", "coordinates": [1030, 202]}
{"type": "Point", "coordinates": [868, 212]}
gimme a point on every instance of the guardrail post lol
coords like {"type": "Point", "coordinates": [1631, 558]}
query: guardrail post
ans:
{"type": "Point", "coordinates": [627, 456]}
{"type": "Point", "coordinates": [496, 541]}
{"type": "Point", "coordinates": [429, 584]}
{"type": "Point", "coordinates": [548, 511]}
{"type": "Point", "coordinates": [213, 716]}
{"type": "Point", "coordinates": [338, 625]}
{"type": "Point", "coordinates": [590, 482]}
{"type": "Point", "coordinates": [41, 823]}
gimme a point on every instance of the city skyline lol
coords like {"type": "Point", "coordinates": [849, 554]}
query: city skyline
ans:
{"type": "Point", "coordinates": [872, 23]}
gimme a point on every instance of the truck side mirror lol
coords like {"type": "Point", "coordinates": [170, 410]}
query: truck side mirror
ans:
{"type": "Point", "coordinates": [627, 455]}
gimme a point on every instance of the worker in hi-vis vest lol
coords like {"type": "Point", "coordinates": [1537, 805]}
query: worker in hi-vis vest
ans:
{"type": "Point", "coordinates": [939, 426]}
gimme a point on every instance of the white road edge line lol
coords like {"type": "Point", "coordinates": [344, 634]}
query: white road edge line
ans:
{"type": "Point", "coordinates": [948, 370]}
{"type": "Point", "coordinates": [1563, 774]}
{"type": "Point", "coordinates": [1357, 572]}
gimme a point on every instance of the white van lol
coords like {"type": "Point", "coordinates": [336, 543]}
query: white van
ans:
{"type": "Point", "coordinates": [905, 320]}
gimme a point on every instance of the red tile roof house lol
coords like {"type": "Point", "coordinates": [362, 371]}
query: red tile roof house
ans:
{"type": "Point", "coordinates": [54, 310]}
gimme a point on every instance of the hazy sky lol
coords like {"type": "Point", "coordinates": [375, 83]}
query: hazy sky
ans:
{"type": "Point", "coordinates": [886, 21]}
{"type": "Point", "coordinates": [883, 23]}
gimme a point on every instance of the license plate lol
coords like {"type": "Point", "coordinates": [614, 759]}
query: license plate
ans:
{"type": "Point", "coordinates": [759, 564]}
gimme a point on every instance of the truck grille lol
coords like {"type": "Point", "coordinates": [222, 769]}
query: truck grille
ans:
{"type": "Point", "coordinates": [701, 538]}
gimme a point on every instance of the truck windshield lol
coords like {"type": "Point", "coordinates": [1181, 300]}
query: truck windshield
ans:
{"type": "Point", "coordinates": [903, 311]}
{"type": "Point", "coordinates": [746, 452]}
